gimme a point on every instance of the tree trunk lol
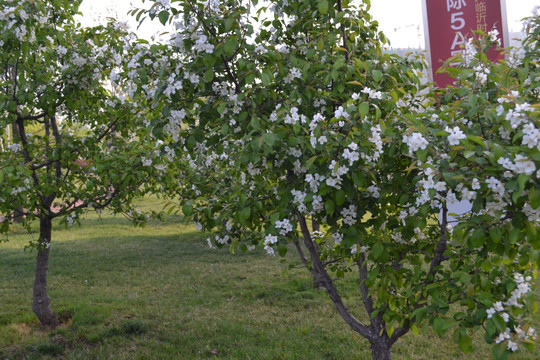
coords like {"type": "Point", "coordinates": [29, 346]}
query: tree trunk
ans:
{"type": "Point", "coordinates": [18, 215]}
{"type": "Point", "coordinates": [315, 225]}
{"type": "Point", "coordinates": [41, 305]}
{"type": "Point", "coordinates": [318, 280]}
{"type": "Point", "coordinates": [380, 351]}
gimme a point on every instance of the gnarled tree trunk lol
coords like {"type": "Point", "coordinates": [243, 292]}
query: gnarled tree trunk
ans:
{"type": "Point", "coordinates": [41, 305]}
{"type": "Point", "coordinates": [380, 351]}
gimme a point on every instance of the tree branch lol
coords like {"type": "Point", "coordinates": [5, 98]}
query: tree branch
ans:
{"type": "Point", "coordinates": [58, 140]}
{"type": "Point", "coordinates": [343, 33]}
{"type": "Point", "coordinates": [331, 289]}
{"type": "Point", "coordinates": [228, 70]}
{"type": "Point", "coordinates": [438, 257]}
{"type": "Point", "coordinates": [362, 273]}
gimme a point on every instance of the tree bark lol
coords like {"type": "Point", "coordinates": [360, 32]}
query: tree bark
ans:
{"type": "Point", "coordinates": [41, 305]}
{"type": "Point", "coordinates": [380, 350]}
{"type": "Point", "coordinates": [18, 215]}
{"type": "Point", "coordinates": [318, 281]}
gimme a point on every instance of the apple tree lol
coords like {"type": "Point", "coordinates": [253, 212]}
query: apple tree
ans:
{"type": "Point", "coordinates": [74, 136]}
{"type": "Point", "coordinates": [286, 123]}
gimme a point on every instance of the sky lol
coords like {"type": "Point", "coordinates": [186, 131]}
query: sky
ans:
{"type": "Point", "coordinates": [400, 20]}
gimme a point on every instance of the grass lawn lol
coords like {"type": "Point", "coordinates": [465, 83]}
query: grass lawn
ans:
{"type": "Point", "coordinates": [160, 293]}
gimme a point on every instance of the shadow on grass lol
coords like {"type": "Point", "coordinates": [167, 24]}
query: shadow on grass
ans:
{"type": "Point", "coordinates": [160, 293]}
{"type": "Point", "coordinates": [105, 283]}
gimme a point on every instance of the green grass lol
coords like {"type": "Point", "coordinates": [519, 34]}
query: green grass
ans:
{"type": "Point", "coordinates": [159, 293]}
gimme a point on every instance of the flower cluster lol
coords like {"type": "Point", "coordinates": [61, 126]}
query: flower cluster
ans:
{"type": "Point", "coordinates": [202, 44]}
{"type": "Point", "coordinates": [351, 153]}
{"type": "Point", "coordinates": [299, 197]}
{"type": "Point", "coordinates": [372, 93]}
{"type": "Point", "coordinates": [515, 335]}
{"type": "Point", "coordinates": [294, 73]}
{"type": "Point", "coordinates": [337, 173]}
{"type": "Point", "coordinates": [520, 165]}
{"type": "Point", "coordinates": [454, 135]}
{"type": "Point", "coordinates": [349, 215]}
{"type": "Point", "coordinates": [270, 240]}
{"type": "Point", "coordinates": [415, 142]}
{"type": "Point", "coordinates": [285, 226]}
{"type": "Point", "coordinates": [375, 139]}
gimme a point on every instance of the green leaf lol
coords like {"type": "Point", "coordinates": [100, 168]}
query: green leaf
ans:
{"type": "Point", "coordinates": [282, 249]}
{"type": "Point", "coordinates": [209, 60]}
{"type": "Point", "coordinates": [163, 17]}
{"type": "Point", "coordinates": [269, 139]}
{"type": "Point", "coordinates": [158, 132]}
{"type": "Point", "coordinates": [229, 22]}
{"type": "Point", "coordinates": [524, 260]}
{"type": "Point", "coordinates": [199, 135]}
{"type": "Point", "coordinates": [187, 209]}
{"type": "Point", "coordinates": [245, 213]}
{"type": "Point", "coordinates": [532, 233]}
{"type": "Point", "coordinates": [221, 107]}
{"type": "Point", "coordinates": [499, 322]}
{"type": "Point", "coordinates": [255, 123]}
{"type": "Point", "coordinates": [469, 153]}
{"type": "Point", "coordinates": [419, 314]}
{"type": "Point", "coordinates": [323, 7]}
{"type": "Point", "coordinates": [377, 75]}
{"type": "Point", "coordinates": [534, 198]}
{"type": "Point", "coordinates": [358, 178]}
{"type": "Point", "coordinates": [499, 352]}
{"type": "Point", "coordinates": [449, 177]}
{"type": "Point", "coordinates": [339, 63]}
{"type": "Point", "coordinates": [250, 78]}
{"type": "Point", "coordinates": [477, 140]}
{"type": "Point", "coordinates": [329, 207]}
{"type": "Point", "coordinates": [224, 129]}
{"type": "Point", "coordinates": [209, 75]}
{"type": "Point", "coordinates": [363, 109]}
{"type": "Point", "coordinates": [522, 180]}
{"type": "Point", "coordinates": [514, 235]}
{"type": "Point", "coordinates": [191, 142]}
{"type": "Point", "coordinates": [340, 197]}
{"type": "Point", "coordinates": [230, 46]}
{"type": "Point", "coordinates": [377, 250]}
{"type": "Point", "coordinates": [477, 238]}
{"type": "Point", "coordinates": [311, 160]}
{"type": "Point", "coordinates": [266, 78]}
{"type": "Point", "coordinates": [495, 235]}
{"type": "Point", "coordinates": [465, 343]}
{"type": "Point", "coordinates": [142, 75]}
{"type": "Point", "coordinates": [441, 325]}
{"type": "Point", "coordinates": [255, 145]}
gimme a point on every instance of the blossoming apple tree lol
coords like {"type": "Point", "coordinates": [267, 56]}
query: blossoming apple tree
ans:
{"type": "Point", "coordinates": [287, 124]}
{"type": "Point", "coordinates": [69, 126]}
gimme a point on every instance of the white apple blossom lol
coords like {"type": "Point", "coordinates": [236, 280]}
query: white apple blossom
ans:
{"type": "Point", "coordinates": [341, 113]}
{"type": "Point", "coordinates": [338, 238]}
{"type": "Point", "coordinates": [455, 135]}
{"type": "Point", "coordinates": [415, 142]}
{"type": "Point", "coordinates": [349, 215]}
{"type": "Point", "coordinates": [285, 226]}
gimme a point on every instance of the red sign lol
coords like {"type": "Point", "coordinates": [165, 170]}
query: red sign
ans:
{"type": "Point", "coordinates": [450, 24]}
